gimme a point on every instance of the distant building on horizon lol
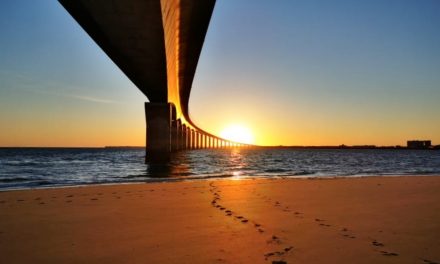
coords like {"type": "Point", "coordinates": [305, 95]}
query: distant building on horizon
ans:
{"type": "Point", "coordinates": [418, 144]}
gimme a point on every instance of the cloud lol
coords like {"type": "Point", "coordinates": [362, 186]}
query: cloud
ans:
{"type": "Point", "coordinates": [52, 88]}
{"type": "Point", "coordinates": [91, 99]}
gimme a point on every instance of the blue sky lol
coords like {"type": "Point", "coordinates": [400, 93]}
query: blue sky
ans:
{"type": "Point", "coordinates": [295, 72]}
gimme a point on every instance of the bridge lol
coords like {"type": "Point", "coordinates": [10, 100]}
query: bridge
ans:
{"type": "Point", "coordinates": [156, 44]}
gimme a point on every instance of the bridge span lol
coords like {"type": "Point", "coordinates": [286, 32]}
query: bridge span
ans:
{"type": "Point", "coordinates": [157, 44]}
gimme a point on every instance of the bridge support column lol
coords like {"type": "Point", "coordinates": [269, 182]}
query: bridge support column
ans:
{"type": "Point", "coordinates": [196, 140]}
{"type": "Point", "coordinates": [179, 134]}
{"type": "Point", "coordinates": [174, 130]}
{"type": "Point", "coordinates": [193, 139]}
{"type": "Point", "coordinates": [184, 141]}
{"type": "Point", "coordinates": [188, 136]}
{"type": "Point", "coordinates": [158, 119]}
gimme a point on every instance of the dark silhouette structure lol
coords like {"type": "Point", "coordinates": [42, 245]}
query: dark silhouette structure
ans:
{"type": "Point", "coordinates": [418, 144]}
{"type": "Point", "coordinates": [157, 44]}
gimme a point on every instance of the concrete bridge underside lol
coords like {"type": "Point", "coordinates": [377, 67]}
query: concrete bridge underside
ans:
{"type": "Point", "coordinates": [157, 44]}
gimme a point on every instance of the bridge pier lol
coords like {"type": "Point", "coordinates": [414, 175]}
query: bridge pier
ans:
{"type": "Point", "coordinates": [158, 143]}
{"type": "Point", "coordinates": [183, 137]}
{"type": "Point", "coordinates": [188, 138]}
{"type": "Point", "coordinates": [174, 130]}
{"type": "Point", "coordinates": [179, 134]}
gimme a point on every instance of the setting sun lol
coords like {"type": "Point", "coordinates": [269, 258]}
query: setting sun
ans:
{"type": "Point", "coordinates": [238, 133]}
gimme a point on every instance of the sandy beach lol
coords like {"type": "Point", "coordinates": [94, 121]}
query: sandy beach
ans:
{"type": "Point", "coordinates": [357, 220]}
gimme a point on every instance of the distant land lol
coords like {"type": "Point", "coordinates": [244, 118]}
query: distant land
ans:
{"type": "Point", "coordinates": [436, 147]}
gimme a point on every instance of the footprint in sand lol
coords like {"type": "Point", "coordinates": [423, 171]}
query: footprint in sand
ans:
{"type": "Point", "coordinates": [20, 200]}
{"type": "Point", "coordinates": [389, 254]}
{"type": "Point", "coordinates": [278, 254]}
{"type": "Point", "coordinates": [68, 201]}
{"type": "Point", "coordinates": [377, 244]}
{"type": "Point", "coordinates": [429, 261]}
{"type": "Point", "coordinates": [287, 249]}
{"type": "Point", "coordinates": [279, 262]}
{"type": "Point", "coordinates": [94, 199]}
{"type": "Point", "coordinates": [347, 235]}
{"type": "Point", "coordinates": [244, 221]}
{"type": "Point", "coordinates": [274, 240]}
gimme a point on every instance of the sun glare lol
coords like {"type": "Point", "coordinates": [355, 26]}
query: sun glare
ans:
{"type": "Point", "coordinates": [238, 133]}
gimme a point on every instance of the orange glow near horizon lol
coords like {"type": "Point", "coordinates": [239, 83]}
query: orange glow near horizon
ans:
{"type": "Point", "coordinates": [237, 133]}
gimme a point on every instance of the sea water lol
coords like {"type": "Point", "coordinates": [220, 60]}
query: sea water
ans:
{"type": "Point", "coordinates": [46, 167]}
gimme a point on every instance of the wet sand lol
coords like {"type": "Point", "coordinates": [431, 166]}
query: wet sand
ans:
{"type": "Point", "coordinates": [357, 220]}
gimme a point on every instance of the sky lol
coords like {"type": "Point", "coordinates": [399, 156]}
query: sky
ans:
{"type": "Point", "coordinates": [294, 72]}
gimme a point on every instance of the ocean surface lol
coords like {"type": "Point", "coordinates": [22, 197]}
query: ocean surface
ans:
{"type": "Point", "coordinates": [46, 167]}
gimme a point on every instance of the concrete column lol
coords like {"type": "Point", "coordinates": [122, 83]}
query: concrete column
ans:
{"type": "Point", "coordinates": [179, 134]}
{"type": "Point", "coordinates": [193, 139]}
{"type": "Point", "coordinates": [190, 138]}
{"type": "Point", "coordinates": [184, 137]}
{"type": "Point", "coordinates": [158, 119]}
{"type": "Point", "coordinates": [174, 135]}
{"type": "Point", "coordinates": [188, 135]}
{"type": "Point", "coordinates": [203, 141]}
{"type": "Point", "coordinates": [196, 141]}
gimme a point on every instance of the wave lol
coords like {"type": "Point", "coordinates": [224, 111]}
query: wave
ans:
{"type": "Point", "coordinates": [16, 179]}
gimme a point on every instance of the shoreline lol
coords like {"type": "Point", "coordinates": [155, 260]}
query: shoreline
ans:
{"type": "Point", "coordinates": [215, 178]}
{"type": "Point", "coordinates": [339, 220]}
